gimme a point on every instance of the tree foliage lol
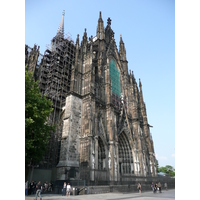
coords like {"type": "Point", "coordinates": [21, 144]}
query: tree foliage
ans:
{"type": "Point", "coordinates": [169, 170]}
{"type": "Point", "coordinates": [37, 110]}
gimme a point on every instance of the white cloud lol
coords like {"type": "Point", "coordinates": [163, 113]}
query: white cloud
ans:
{"type": "Point", "coordinates": [173, 155]}
{"type": "Point", "coordinates": [158, 157]}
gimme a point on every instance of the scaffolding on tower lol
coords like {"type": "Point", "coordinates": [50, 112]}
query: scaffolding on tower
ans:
{"type": "Point", "coordinates": [54, 82]}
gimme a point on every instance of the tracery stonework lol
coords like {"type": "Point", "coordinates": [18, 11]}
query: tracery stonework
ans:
{"type": "Point", "coordinates": [105, 132]}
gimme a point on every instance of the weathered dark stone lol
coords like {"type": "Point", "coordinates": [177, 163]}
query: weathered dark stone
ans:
{"type": "Point", "coordinates": [104, 132]}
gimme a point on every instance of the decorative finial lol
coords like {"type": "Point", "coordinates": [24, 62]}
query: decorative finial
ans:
{"type": "Point", "coordinates": [60, 31]}
{"type": "Point", "coordinates": [121, 38]}
{"type": "Point", "coordinates": [140, 84]}
{"type": "Point", "coordinates": [109, 21]}
{"type": "Point", "coordinates": [77, 39]}
{"type": "Point", "coordinates": [85, 35]}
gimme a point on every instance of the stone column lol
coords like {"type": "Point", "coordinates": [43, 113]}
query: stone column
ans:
{"type": "Point", "coordinates": [96, 151]}
{"type": "Point", "coordinates": [92, 159]}
{"type": "Point", "coordinates": [109, 116]}
{"type": "Point", "coordinates": [111, 160]}
{"type": "Point", "coordinates": [116, 162]}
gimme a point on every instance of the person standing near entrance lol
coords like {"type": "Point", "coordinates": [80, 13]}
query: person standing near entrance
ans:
{"type": "Point", "coordinates": [64, 189]}
{"type": "Point", "coordinates": [38, 190]}
{"type": "Point", "coordinates": [68, 189]}
{"type": "Point", "coordinates": [155, 188]}
{"type": "Point", "coordinates": [152, 187]}
{"type": "Point", "coordinates": [159, 186]}
{"type": "Point", "coordinates": [26, 188]}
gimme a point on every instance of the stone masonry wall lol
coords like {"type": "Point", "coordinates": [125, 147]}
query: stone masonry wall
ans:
{"type": "Point", "coordinates": [69, 153]}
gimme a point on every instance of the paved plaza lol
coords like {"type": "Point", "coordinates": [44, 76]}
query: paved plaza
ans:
{"type": "Point", "coordinates": [165, 195]}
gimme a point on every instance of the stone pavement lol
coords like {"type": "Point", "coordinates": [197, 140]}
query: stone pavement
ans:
{"type": "Point", "coordinates": [165, 195]}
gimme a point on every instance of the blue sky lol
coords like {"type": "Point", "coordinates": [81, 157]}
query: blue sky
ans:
{"type": "Point", "coordinates": [148, 31]}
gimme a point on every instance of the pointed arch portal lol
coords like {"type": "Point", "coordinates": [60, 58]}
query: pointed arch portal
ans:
{"type": "Point", "coordinates": [125, 155]}
{"type": "Point", "coordinates": [101, 154]}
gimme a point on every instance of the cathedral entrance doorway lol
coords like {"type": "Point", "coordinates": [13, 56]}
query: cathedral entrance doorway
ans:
{"type": "Point", "coordinates": [125, 155]}
{"type": "Point", "coordinates": [100, 173]}
{"type": "Point", "coordinates": [101, 154]}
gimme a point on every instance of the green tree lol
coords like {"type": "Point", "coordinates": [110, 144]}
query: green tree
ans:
{"type": "Point", "coordinates": [37, 130]}
{"type": "Point", "coordinates": [168, 169]}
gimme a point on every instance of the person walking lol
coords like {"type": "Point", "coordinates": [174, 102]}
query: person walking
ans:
{"type": "Point", "coordinates": [31, 187]}
{"type": "Point", "coordinates": [159, 186]}
{"type": "Point", "coordinates": [152, 187]}
{"type": "Point", "coordinates": [26, 188]}
{"type": "Point", "coordinates": [46, 186]}
{"type": "Point", "coordinates": [139, 188]}
{"type": "Point", "coordinates": [155, 188]}
{"type": "Point", "coordinates": [64, 189]}
{"type": "Point", "coordinates": [68, 189]}
{"type": "Point", "coordinates": [34, 187]}
{"type": "Point", "coordinates": [49, 187]}
{"type": "Point", "coordinates": [38, 191]}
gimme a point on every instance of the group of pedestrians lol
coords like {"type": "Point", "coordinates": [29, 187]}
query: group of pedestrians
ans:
{"type": "Point", "coordinates": [34, 188]}
{"type": "Point", "coordinates": [66, 189]}
{"type": "Point", "coordinates": [38, 188]}
{"type": "Point", "coordinates": [155, 187]}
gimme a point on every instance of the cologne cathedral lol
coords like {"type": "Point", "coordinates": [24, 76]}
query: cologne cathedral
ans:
{"type": "Point", "coordinates": [103, 132]}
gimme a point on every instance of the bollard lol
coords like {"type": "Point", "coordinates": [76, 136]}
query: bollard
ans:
{"type": "Point", "coordinates": [85, 190]}
{"type": "Point", "coordinates": [73, 192]}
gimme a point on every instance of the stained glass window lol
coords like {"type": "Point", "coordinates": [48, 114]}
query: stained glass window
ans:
{"type": "Point", "coordinates": [116, 88]}
{"type": "Point", "coordinates": [115, 78]}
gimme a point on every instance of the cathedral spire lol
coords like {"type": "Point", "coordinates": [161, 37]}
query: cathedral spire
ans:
{"type": "Point", "coordinates": [140, 85]}
{"type": "Point", "coordinates": [100, 28]}
{"type": "Point", "coordinates": [131, 79]}
{"type": "Point", "coordinates": [122, 50]}
{"type": "Point", "coordinates": [85, 35]}
{"type": "Point", "coordinates": [77, 40]}
{"type": "Point", "coordinates": [60, 31]}
{"type": "Point", "coordinates": [141, 94]}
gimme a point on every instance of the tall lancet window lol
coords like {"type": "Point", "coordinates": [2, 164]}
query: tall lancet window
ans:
{"type": "Point", "coordinates": [116, 88]}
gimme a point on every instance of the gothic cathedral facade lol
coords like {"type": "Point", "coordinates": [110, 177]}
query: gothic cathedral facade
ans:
{"type": "Point", "coordinates": [104, 132]}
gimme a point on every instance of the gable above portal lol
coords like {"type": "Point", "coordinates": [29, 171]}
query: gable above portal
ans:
{"type": "Point", "coordinates": [112, 52]}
